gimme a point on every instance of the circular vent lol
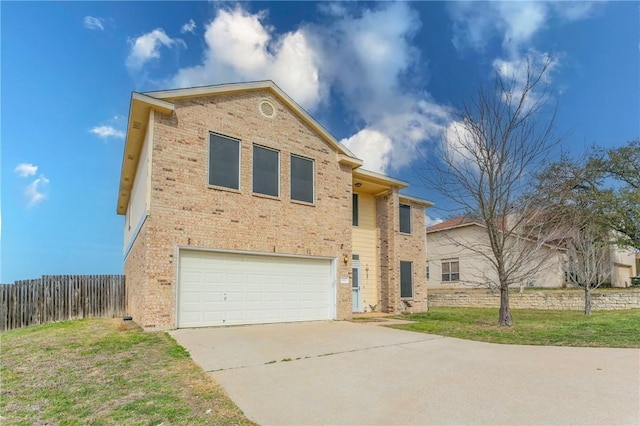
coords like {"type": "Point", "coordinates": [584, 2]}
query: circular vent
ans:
{"type": "Point", "coordinates": [267, 109]}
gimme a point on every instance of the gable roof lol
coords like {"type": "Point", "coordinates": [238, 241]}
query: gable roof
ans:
{"type": "Point", "coordinates": [164, 103]}
{"type": "Point", "coordinates": [456, 222]}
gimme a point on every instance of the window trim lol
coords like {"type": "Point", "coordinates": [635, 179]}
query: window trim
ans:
{"type": "Point", "coordinates": [355, 210]}
{"type": "Point", "coordinates": [450, 273]}
{"type": "Point", "coordinates": [400, 207]}
{"type": "Point", "coordinates": [313, 180]}
{"type": "Point", "coordinates": [253, 175]}
{"type": "Point", "coordinates": [410, 278]}
{"type": "Point", "coordinates": [222, 187]}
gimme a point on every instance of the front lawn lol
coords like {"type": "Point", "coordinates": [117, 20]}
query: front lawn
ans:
{"type": "Point", "coordinates": [616, 329]}
{"type": "Point", "coordinates": [105, 371]}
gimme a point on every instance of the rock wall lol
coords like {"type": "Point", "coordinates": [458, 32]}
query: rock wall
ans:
{"type": "Point", "coordinates": [539, 299]}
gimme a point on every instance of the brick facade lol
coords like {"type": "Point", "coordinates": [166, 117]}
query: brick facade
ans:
{"type": "Point", "coordinates": [186, 212]}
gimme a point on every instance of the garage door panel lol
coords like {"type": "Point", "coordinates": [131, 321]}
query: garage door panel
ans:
{"type": "Point", "coordinates": [228, 288]}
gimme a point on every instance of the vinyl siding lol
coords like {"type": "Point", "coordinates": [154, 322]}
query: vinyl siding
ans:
{"type": "Point", "coordinates": [139, 202]}
{"type": "Point", "coordinates": [364, 244]}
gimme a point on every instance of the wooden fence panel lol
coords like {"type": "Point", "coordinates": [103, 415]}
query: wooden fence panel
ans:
{"type": "Point", "coordinates": [61, 297]}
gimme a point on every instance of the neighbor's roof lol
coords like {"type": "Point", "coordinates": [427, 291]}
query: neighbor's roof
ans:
{"type": "Point", "coordinates": [163, 102]}
{"type": "Point", "coordinates": [456, 222]}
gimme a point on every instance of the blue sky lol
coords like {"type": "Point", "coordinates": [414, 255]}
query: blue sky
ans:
{"type": "Point", "coordinates": [384, 78]}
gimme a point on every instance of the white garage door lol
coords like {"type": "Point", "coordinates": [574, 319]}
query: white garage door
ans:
{"type": "Point", "coordinates": [229, 289]}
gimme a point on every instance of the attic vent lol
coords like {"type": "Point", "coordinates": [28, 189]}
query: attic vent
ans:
{"type": "Point", "coordinates": [137, 125]}
{"type": "Point", "coordinates": [267, 109]}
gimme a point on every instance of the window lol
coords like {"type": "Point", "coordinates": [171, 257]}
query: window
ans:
{"type": "Point", "coordinates": [301, 179]}
{"type": "Point", "coordinates": [355, 210]}
{"type": "Point", "coordinates": [406, 280]}
{"type": "Point", "coordinates": [224, 161]}
{"type": "Point", "coordinates": [266, 171]}
{"type": "Point", "coordinates": [451, 270]}
{"type": "Point", "coordinates": [405, 219]}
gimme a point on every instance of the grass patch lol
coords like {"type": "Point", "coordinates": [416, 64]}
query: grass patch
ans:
{"type": "Point", "coordinates": [105, 372]}
{"type": "Point", "coordinates": [615, 329]}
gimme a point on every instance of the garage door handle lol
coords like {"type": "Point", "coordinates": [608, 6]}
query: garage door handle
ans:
{"type": "Point", "coordinates": [225, 296]}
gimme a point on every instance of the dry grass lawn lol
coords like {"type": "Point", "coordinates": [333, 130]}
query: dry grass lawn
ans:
{"type": "Point", "coordinates": [102, 372]}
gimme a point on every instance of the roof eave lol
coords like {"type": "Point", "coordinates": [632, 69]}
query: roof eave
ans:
{"type": "Point", "coordinates": [139, 109]}
{"type": "Point", "coordinates": [415, 200]}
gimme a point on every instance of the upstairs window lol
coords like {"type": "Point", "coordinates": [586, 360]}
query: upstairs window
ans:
{"type": "Point", "coordinates": [405, 219]}
{"type": "Point", "coordinates": [406, 280]}
{"type": "Point", "coordinates": [301, 179]}
{"type": "Point", "coordinates": [450, 270]}
{"type": "Point", "coordinates": [355, 210]}
{"type": "Point", "coordinates": [266, 171]}
{"type": "Point", "coordinates": [224, 161]}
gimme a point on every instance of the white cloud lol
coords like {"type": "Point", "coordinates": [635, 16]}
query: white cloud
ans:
{"type": "Point", "coordinates": [25, 169]}
{"type": "Point", "coordinates": [240, 47]}
{"type": "Point", "coordinates": [147, 47]}
{"type": "Point", "coordinates": [373, 148]}
{"type": "Point", "coordinates": [107, 132]}
{"type": "Point", "coordinates": [361, 57]}
{"type": "Point", "coordinates": [93, 23]}
{"type": "Point", "coordinates": [34, 191]}
{"type": "Point", "coordinates": [519, 69]}
{"type": "Point", "coordinates": [188, 27]}
{"type": "Point", "coordinates": [516, 22]}
{"type": "Point", "coordinates": [576, 10]}
{"type": "Point", "coordinates": [429, 221]}
{"type": "Point", "coordinates": [366, 57]}
{"type": "Point", "coordinates": [459, 146]}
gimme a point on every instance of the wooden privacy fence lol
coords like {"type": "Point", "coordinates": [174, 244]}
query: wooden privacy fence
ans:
{"type": "Point", "coordinates": [61, 297]}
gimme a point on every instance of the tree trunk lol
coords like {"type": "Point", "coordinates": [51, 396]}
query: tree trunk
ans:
{"type": "Point", "coordinates": [587, 300]}
{"type": "Point", "coordinates": [504, 319]}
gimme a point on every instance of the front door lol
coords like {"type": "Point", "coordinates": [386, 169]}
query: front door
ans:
{"type": "Point", "coordinates": [356, 293]}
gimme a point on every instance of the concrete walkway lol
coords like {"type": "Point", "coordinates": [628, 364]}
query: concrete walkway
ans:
{"type": "Point", "coordinates": [326, 373]}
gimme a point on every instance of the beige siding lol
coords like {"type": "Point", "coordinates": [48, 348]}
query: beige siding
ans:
{"type": "Point", "coordinates": [364, 244]}
{"type": "Point", "coordinates": [622, 266]}
{"type": "Point", "coordinates": [138, 207]}
{"type": "Point", "coordinates": [465, 245]}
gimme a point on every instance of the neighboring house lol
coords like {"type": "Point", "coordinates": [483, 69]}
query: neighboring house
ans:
{"type": "Point", "coordinates": [240, 208]}
{"type": "Point", "coordinates": [453, 259]}
{"type": "Point", "coordinates": [623, 266]}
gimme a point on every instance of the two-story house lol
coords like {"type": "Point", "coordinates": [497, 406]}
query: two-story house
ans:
{"type": "Point", "coordinates": [240, 208]}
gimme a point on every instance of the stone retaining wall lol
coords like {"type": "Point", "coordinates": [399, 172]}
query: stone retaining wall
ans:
{"type": "Point", "coordinates": [540, 299]}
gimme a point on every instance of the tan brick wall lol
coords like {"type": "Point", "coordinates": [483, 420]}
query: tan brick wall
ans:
{"type": "Point", "coordinates": [134, 268]}
{"type": "Point", "coordinates": [386, 249]}
{"type": "Point", "coordinates": [395, 247]}
{"type": "Point", "coordinates": [186, 211]}
{"type": "Point", "coordinates": [539, 299]}
{"type": "Point", "coordinates": [413, 248]}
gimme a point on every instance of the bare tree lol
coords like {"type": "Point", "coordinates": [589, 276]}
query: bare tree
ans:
{"type": "Point", "coordinates": [587, 263]}
{"type": "Point", "coordinates": [486, 165]}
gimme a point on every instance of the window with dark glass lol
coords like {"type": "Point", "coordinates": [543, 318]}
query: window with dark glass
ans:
{"type": "Point", "coordinates": [451, 270]}
{"type": "Point", "coordinates": [224, 161]}
{"type": "Point", "coordinates": [355, 210]}
{"type": "Point", "coordinates": [266, 171]}
{"type": "Point", "coordinates": [405, 219]}
{"type": "Point", "coordinates": [301, 179]}
{"type": "Point", "coordinates": [406, 279]}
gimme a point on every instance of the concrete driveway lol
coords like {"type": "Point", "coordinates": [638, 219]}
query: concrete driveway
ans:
{"type": "Point", "coordinates": [341, 373]}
